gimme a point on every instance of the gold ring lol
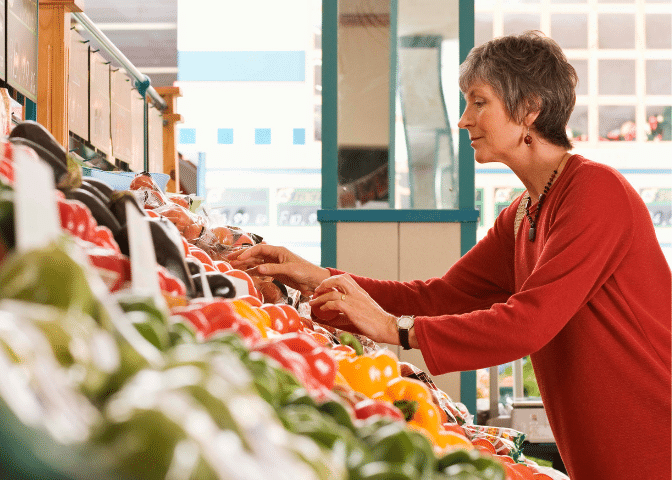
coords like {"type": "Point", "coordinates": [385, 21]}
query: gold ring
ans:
{"type": "Point", "coordinates": [343, 298]}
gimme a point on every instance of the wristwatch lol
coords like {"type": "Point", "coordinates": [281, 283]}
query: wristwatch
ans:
{"type": "Point", "coordinates": [404, 325]}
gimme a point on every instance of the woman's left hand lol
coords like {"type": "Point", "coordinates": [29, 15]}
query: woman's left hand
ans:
{"type": "Point", "coordinates": [341, 294]}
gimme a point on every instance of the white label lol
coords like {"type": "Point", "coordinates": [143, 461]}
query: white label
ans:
{"type": "Point", "coordinates": [37, 221]}
{"type": "Point", "coordinates": [144, 277]}
{"type": "Point", "coordinates": [207, 293]}
{"type": "Point", "coordinates": [240, 285]}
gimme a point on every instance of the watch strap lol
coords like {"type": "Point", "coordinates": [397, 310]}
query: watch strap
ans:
{"type": "Point", "coordinates": [404, 335]}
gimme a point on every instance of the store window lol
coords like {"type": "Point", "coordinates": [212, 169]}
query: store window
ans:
{"type": "Point", "coordinates": [187, 136]}
{"type": "Point", "coordinates": [623, 56]}
{"type": "Point", "coordinates": [250, 76]}
{"type": "Point", "coordinates": [225, 136]}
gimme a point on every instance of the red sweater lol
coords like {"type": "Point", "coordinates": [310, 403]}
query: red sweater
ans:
{"type": "Point", "coordinates": [589, 300]}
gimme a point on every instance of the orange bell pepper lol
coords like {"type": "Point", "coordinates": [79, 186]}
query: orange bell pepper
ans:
{"type": "Point", "coordinates": [367, 373]}
{"type": "Point", "coordinates": [415, 400]}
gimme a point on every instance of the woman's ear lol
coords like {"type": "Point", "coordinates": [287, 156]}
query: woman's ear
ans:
{"type": "Point", "coordinates": [533, 110]}
{"type": "Point", "coordinates": [530, 118]}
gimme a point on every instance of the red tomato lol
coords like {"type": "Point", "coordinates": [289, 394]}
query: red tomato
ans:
{"type": "Point", "coordinates": [224, 235]}
{"type": "Point", "coordinates": [192, 231]}
{"type": "Point", "coordinates": [523, 471]}
{"type": "Point", "coordinates": [178, 215]}
{"type": "Point", "coordinates": [251, 300]}
{"type": "Point", "coordinates": [151, 213]}
{"type": "Point", "coordinates": [294, 322]}
{"type": "Point", "coordinates": [518, 471]}
{"type": "Point", "coordinates": [484, 445]}
{"type": "Point", "coordinates": [201, 255]}
{"type": "Point", "coordinates": [222, 265]}
{"type": "Point", "coordinates": [185, 246]}
{"type": "Point", "coordinates": [320, 337]}
{"type": "Point", "coordinates": [279, 320]}
{"type": "Point", "coordinates": [181, 201]}
{"type": "Point", "coordinates": [143, 180]}
{"type": "Point", "coordinates": [504, 459]}
{"type": "Point", "coordinates": [541, 476]}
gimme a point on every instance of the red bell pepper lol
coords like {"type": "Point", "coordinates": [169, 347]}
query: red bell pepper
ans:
{"type": "Point", "coordinates": [292, 361]}
{"type": "Point", "coordinates": [301, 354]}
{"type": "Point", "coordinates": [212, 317]}
{"type": "Point", "coordinates": [113, 267]}
{"type": "Point", "coordinates": [102, 236]}
{"type": "Point", "coordinates": [370, 407]}
{"type": "Point", "coordinates": [76, 218]}
{"type": "Point", "coordinates": [170, 284]}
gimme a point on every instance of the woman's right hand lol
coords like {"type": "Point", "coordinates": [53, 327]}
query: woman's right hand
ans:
{"type": "Point", "coordinates": [281, 264]}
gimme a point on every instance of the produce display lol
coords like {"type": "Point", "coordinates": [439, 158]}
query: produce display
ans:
{"type": "Point", "coordinates": [223, 376]}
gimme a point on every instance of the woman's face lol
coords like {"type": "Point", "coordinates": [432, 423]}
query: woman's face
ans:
{"type": "Point", "coordinates": [494, 136]}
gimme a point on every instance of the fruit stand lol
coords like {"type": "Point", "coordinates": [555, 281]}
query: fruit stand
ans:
{"type": "Point", "coordinates": [132, 349]}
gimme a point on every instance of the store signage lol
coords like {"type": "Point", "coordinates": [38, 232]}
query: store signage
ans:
{"type": "Point", "coordinates": [297, 207]}
{"type": "Point", "coordinates": [99, 115]}
{"type": "Point", "coordinates": [239, 207]}
{"type": "Point", "coordinates": [22, 47]}
{"type": "Point", "coordinates": [120, 88]}
{"type": "Point", "coordinates": [78, 87]}
{"type": "Point", "coordinates": [137, 162]}
{"type": "Point", "coordinates": [3, 37]}
{"type": "Point", "coordinates": [155, 129]}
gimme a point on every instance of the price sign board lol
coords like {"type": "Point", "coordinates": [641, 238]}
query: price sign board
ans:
{"type": "Point", "coordinates": [22, 47]}
{"type": "Point", "coordinates": [297, 207]}
{"type": "Point", "coordinates": [100, 104]}
{"type": "Point", "coordinates": [3, 37]}
{"type": "Point", "coordinates": [659, 203]}
{"type": "Point", "coordinates": [137, 162]}
{"type": "Point", "coordinates": [78, 87]}
{"type": "Point", "coordinates": [155, 129]}
{"type": "Point", "coordinates": [504, 197]}
{"type": "Point", "coordinates": [239, 207]}
{"type": "Point", "coordinates": [120, 89]}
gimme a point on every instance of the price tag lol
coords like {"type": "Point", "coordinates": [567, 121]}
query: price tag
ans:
{"type": "Point", "coordinates": [240, 285]}
{"type": "Point", "coordinates": [207, 293]}
{"type": "Point", "coordinates": [37, 221]}
{"type": "Point", "coordinates": [144, 277]}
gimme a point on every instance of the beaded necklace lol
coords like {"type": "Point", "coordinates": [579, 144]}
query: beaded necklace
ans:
{"type": "Point", "coordinates": [533, 222]}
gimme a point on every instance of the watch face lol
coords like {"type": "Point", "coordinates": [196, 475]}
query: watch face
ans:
{"type": "Point", "coordinates": [405, 323]}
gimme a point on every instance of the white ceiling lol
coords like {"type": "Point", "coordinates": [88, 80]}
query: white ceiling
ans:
{"type": "Point", "coordinates": [145, 32]}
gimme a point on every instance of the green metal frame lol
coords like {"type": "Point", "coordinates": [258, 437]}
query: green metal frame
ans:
{"type": "Point", "coordinates": [394, 71]}
{"type": "Point", "coordinates": [329, 126]}
{"type": "Point", "coordinates": [329, 216]}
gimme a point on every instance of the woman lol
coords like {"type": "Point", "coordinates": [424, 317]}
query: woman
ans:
{"type": "Point", "coordinates": [571, 274]}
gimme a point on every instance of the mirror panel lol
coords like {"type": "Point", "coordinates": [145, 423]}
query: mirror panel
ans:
{"type": "Point", "coordinates": [424, 53]}
{"type": "Point", "coordinates": [363, 103]}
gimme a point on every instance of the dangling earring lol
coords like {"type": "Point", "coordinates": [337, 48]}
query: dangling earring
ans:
{"type": "Point", "coordinates": [528, 138]}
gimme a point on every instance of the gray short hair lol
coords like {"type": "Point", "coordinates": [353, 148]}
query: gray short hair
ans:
{"type": "Point", "coordinates": [528, 72]}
